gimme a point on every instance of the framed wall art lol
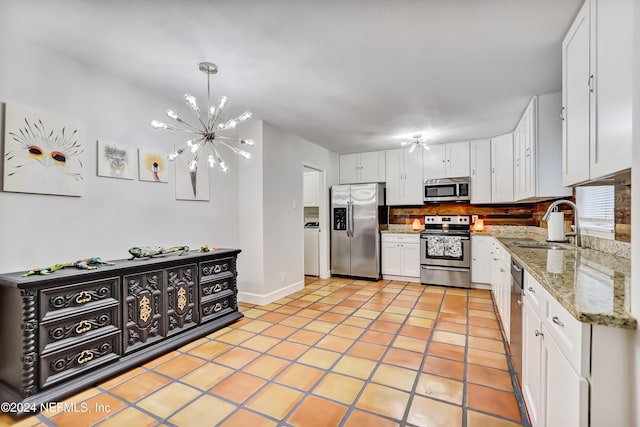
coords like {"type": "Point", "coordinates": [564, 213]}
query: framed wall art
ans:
{"type": "Point", "coordinates": [116, 160]}
{"type": "Point", "coordinates": [43, 152]}
{"type": "Point", "coordinates": [152, 166]}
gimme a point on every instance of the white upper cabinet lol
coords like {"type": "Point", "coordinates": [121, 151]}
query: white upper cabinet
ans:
{"type": "Point", "coordinates": [446, 160]}
{"type": "Point", "coordinates": [310, 189]}
{"type": "Point", "coordinates": [404, 177]}
{"type": "Point", "coordinates": [362, 167]}
{"type": "Point", "coordinates": [597, 86]}
{"type": "Point", "coordinates": [537, 151]}
{"type": "Point", "coordinates": [481, 171]}
{"type": "Point", "coordinates": [502, 168]}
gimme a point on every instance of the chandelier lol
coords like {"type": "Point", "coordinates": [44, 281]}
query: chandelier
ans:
{"type": "Point", "coordinates": [418, 141]}
{"type": "Point", "coordinates": [207, 136]}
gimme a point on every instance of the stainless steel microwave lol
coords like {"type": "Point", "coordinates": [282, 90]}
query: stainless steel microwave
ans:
{"type": "Point", "coordinates": [447, 190]}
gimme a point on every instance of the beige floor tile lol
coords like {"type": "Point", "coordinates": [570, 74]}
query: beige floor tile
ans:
{"type": "Point", "coordinates": [275, 400]}
{"type": "Point", "coordinates": [168, 400]}
{"type": "Point", "coordinates": [238, 387]}
{"type": "Point", "coordinates": [440, 388]}
{"type": "Point", "coordinates": [384, 401]}
{"type": "Point", "coordinates": [395, 376]}
{"type": "Point", "coordinates": [355, 366]}
{"type": "Point", "coordinates": [244, 418]}
{"type": "Point", "coordinates": [207, 376]}
{"type": "Point", "coordinates": [319, 358]}
{"type": "Point", "coordinates": [260, 343]}
{"type": "Point", "coordinates": [339, 387]}
{"type": "Point", "coordinates": [427, 412]}
{"type": "Point", "coordinates": [207, 410]}
{"type": "Point", "coordinates": [315, 411]}
{"type": "Point", "coordinates": [266, 366]}
{"type": "Point", "coordinates": [450, 338]}
{"type": "Point", "coordinates": [300, 376]}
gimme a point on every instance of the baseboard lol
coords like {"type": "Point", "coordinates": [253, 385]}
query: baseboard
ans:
{"type": "Point", "coordinates": [401, 278]}
{"type": "Point", "coordinates": [480, 286]}
{"type": "Point", "coordinates": [266, 299]}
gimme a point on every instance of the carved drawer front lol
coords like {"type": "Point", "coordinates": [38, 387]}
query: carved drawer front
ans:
{"type": "Point", "coordinates": [210, 269]}
{"type": "Point", "coordinates": [225, 303]}
{"type": "Point", "coordinates": [143, 312]}
{"type": "Point", "coordinates": [61, 365]}
{"type": "Point", "coordinates": [66, 300]}
{"type": "Point", "coordinates": [63, 332]}
{"type": "Point", "coordinates": [182, 312]}
{"type": "Point", "coordinates": [211, 289]}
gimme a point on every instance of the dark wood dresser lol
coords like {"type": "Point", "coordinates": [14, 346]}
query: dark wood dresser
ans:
{"type": "Point", "coordinates": [73, 328]}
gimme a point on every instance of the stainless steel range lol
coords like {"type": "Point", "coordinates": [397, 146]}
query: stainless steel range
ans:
{"type": "Point", "coordinates": [445, 250]}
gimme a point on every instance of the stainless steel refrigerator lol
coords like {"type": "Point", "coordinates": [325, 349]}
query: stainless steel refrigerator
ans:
{"type": "Point", "coordinates": [356, 213]}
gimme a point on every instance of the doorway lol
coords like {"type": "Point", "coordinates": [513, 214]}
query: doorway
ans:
{"type": "Point", "coordinates": [316, 236]}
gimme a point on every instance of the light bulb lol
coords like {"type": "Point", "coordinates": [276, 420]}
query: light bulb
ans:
{"type": "Point", "coordinates": [172, 114]}
{"type": "Point", "coordinates": [230, 124]}
{"type": "Point", "coordinates": [192, 103]}
{"type": "Point", "coordinates": [404, 143]}
{"type": "Point", "coordinates": [160, 125]}
{"type": "Point", "coordinates": [224, 167]}
{"type": "Point", "coordinates": [192, 165]}
{"type": "Point", "coordinates": [244, 154]}
{"type": "Point", "coordinates": [222, 103]}
{"type": "Point", "coordinates": [190, 142]}
{"type": "Point", "coordinates": [413, 147]}
{"type": "Point", "coordinates": [195, 148]}
{"type": "Point", "coordinates": [172, 156]}
{"type": "Point", "coordinates": [247, 141]}
{"type": "Point", "coordinates": [426, 147]}
{"type": "Point", "coordinates": [243, 117]}
{"type": "Point", "coordinates": [211, 161]}
{"type": "Point", "coordinates": [212, 110]}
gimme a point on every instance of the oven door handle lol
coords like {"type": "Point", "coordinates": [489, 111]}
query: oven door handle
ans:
{"type": "Point", "coordinates": [425, 235]}
{"type": "Point", "coordinates": [432, 267]}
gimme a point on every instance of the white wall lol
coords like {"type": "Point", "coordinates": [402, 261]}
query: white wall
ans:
{"type": "Point", "coordinates": [39, 230]}
{"type": "Point", "coordinates": [282, 239]}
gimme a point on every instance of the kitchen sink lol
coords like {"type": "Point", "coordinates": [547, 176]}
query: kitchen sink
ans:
{"type": "Point", "coordinates": [542, 245]}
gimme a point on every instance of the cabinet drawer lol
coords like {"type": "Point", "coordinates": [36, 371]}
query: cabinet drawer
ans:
{"type": "Point", "coordinates": [535, 296]}
{"type": "Point", "coordinates": [62, 332]}
{"type": "Point", "coordinates": [216, 286]}
{"type": "Point", "coordinates": [59, 366]}
{"type": "Point", "coordinates": [400, 238]}
{"type": "Point", "coordinates": [223, 304]}
{"type": "Point", "coordinates": [572, 336]}
{"type": "Point", "coordinates": [66, 300]}
{"type": "Point", "coordinates": [210, 269]}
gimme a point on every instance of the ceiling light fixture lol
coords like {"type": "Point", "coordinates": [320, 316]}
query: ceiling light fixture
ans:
{"type": "Point", "coordinates": [207, 136]}
{"type": "Point", "coordinates": [418, 141]}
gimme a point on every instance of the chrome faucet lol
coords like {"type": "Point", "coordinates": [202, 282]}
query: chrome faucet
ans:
{"type": "Point", "coordinates": [576, 232]}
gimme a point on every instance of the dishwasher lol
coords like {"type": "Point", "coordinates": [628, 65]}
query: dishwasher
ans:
{"type": "Point", "coordinates": [515, 325]}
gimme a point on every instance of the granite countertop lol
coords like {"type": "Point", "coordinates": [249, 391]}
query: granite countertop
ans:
{"type": "Point", "coordinates": [593, 286]}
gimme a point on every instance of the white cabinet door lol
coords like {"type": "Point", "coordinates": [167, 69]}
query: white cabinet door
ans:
{"type": "Point", "coordinates": [528, 186]}
{"type": "Point", "coordinates": [391, 258]}
{"type": "Point", "coordinates": [481, 171]}
{"type": "Point", "coordinates": [394, 177]}
{"type": "Point", "coordinates": [413, 184]}
{"type": "Point", "coordinates": [434, 162]}
{"type": "Point", "coordinates": [310, 189]}
{"type": "Point", "coordinates": [458, 162]}
{"type": "Point", "coordinates": [410, 259]}
{"type": "Point", "coordinates": [481, 259]}
{"type": "Point", "coordinates": [372, 167]}
{"type": "Point", "coordinates": [566, 394]}
{"type": "Point", "coordinates": [531, 380]}
{"type": "Point", "coordinates": [349, 164]}
{"type": "Point", "coordinates": [611, 66]}
{"type": "Point", "coordinates": [575, 100]}
{"type": "Point", "coordinates": [502, 168]}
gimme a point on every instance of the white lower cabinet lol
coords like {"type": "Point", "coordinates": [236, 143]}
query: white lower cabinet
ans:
{"type": "Point", "coordinates": [481, 258]}
{"type": "Point", "coordinates": [501, 283]}
{"type": "Point", "coordinates": [401, 256]}
{"type": "Point", "coordinates": [571, 377]}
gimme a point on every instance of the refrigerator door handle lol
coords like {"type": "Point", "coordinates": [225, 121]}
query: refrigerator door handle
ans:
{"type": "Point", "coordinates": [351, 219]}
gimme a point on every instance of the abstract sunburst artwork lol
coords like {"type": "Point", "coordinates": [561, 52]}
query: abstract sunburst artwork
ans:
{"type": "Point", "coordinates": [192, 183]}
{"type": "Point", "coordinates": [153, 166]}
{"type": "Point", "coordinates": [116, 160]}
{"type": "Point", "coordinates": [43, 152]}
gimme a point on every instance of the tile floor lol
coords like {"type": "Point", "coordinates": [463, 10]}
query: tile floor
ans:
{"type": "Point", "coordinates": [339, 353]}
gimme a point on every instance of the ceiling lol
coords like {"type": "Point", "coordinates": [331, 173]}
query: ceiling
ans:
{"type": "Point", "coordinates": [350, 75]}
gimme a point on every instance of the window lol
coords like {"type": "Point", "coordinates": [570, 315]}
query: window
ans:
{"type": "Point", "coordinates": [596, 207]}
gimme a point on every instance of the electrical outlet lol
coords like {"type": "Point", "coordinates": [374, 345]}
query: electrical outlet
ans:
{"type": "Point", "coordinates": [474, 218]}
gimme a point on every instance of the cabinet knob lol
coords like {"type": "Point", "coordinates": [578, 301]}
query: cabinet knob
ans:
{"type": "Point", "coordinates": [533, 291]}
{"type": "Point", "coordinates": [539, 334]}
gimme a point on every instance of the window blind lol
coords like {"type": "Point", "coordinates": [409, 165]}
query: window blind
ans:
{"type": "Point", "coordinates": [596, 206]}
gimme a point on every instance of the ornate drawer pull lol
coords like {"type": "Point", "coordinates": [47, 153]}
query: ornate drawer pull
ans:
{"type": "Point", "coordinates": [217, 269]}
{"type": "Point", "coordinates": [182, 298]}
{"type": "Point", "coordinates": [145, 308]}
{"type": "Point", "coordinates": [85, 357]}
{"type": "Point", "coordinates": [83, 297]}
{"type": "Point", "coordinates": [217, 288]}
{"type": "Point", "coordinates": [83, 326]}
{"type": "Point", "coordinates": [217, 307]}
{"type": "Point", "coordinates": [557, 321]}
